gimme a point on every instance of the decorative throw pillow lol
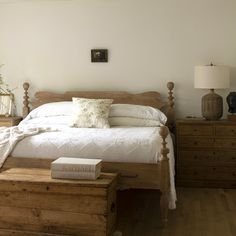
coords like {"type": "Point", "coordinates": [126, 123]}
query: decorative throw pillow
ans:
{"type": "Point", "coordinates": [91, 113]}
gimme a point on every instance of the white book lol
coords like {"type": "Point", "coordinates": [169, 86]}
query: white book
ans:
{"type": "Point", "coordinates": [74, 175]}
{"type": "Point", "coordinates": [76, 164]}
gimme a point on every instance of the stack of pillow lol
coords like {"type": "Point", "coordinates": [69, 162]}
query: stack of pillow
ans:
{"type": "Point", "coordinates": [98, 113]}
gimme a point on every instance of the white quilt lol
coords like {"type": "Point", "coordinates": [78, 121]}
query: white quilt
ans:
{"type": "Point", "coordinates": [117, 144]}
{"type": "Point", "coordinates": [9, 137]}
{"type": "Point", "coordinates": [133, 144]}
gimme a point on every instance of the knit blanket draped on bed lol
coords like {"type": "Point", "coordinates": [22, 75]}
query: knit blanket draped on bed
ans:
{"type": "Point", "coordinates": [9, 137]}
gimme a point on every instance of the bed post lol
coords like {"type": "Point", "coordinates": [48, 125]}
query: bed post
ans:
{"type": "Point", "coordinates": [26, 108]}
{"type": "Point", "coordinates": [170, 113]}
{"type": "Point", "coordinates": [164, 176]}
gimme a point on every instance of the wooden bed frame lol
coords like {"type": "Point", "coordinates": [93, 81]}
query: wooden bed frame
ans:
{"type": "Point", "coordinates": [131, 175]}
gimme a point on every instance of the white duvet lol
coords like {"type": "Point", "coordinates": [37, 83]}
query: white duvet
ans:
{"type": "Point", "coordinates": [116, 144]}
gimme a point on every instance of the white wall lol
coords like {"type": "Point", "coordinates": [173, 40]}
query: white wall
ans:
{"type": "Point", "coordinates": [150, 42]}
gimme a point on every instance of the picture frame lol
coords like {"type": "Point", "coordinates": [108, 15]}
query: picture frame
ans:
{"type": "Point", "coordinates": [6, 101]}
{"type": "Point", "coordinates": [99, 55]}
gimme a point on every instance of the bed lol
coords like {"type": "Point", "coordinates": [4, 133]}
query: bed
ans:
{"type": "Point", "coordinates": [139, 171]}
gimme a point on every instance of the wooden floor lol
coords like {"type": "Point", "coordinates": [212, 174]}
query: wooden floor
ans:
{"type": "Point", "coordinates": [200, 212]}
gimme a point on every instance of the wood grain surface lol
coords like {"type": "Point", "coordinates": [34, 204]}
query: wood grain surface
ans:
{"type": "Point", "coordinates": [206, 153]}
{"type": "Point", "coordinates": [200, 212]}
{"type": "Point", "coordinates": [31, 201]}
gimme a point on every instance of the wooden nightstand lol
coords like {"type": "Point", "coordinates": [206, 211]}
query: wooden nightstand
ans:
{"type": "Point", "coordinates": [10, 121]}
{"type": "Point", "coordinates": [206, 153]}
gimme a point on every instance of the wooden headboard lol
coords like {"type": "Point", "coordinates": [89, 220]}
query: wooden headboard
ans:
{"type": "Point", "coordinates": [147, 98]}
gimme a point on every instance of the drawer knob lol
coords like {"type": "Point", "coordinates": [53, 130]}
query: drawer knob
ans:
{"type": "Point", "coordinates": [233, 130]}
{"type": "Point", "coordinates": [113, 207]}
{"type": "Point", "coordinates": [233, 158]}
{"type": "Point", "coordinates": [195, 157]}
{"type": "Point", "coordinates": [195, 143]}
{"type": "Point", "coordinates": [233, 144]}
{"type": "Point", "coordinates": [36, 212]}
{"type": "Point", "coordinates": [195, 130]}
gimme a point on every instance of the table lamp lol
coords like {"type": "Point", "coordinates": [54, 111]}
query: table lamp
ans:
{"type": "Point", "coordinates": [211, 77]}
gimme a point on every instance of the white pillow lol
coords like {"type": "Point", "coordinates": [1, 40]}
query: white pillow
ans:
{"type": "Point", "coordinates": [51, 120]}
{"type": "Point", "coordinates": [137, 111]}
{"type": "Point", "coordinates": [52, 109]}
{"type": "Point", "coordinates": [91, 113]}
{"type": "Point", "coordinates": [131, 121]}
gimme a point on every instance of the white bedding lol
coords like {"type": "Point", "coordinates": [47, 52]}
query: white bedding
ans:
{"type": "Point", "coordinates": [132, 144]}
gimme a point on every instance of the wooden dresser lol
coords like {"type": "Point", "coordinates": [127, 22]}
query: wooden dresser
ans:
{"type": "Point", "coordinates": [206, 153]}
{"type": "Point", "coordinates": [10, 121]}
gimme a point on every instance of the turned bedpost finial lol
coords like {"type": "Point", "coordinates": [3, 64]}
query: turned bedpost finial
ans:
{"type": "Point", "coordinates": [170, 86]}
{"type": "Point", "coordinates": [26, 108]}
{"type": "Point", "coordinates": [164, 131]}
{"type": "Point", "coordinates": [170, 109]}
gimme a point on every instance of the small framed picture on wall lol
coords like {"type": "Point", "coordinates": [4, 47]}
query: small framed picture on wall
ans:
{"type": "Point", "coordinates": [99, 55]}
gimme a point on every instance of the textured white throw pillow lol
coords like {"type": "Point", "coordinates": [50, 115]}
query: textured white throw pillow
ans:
{"type": "Point", "coordinates": [137, 111]}
{"type": "Point", "coordinates": [91, 113]}
{"type": "Point", "coordinates": [131, 121]}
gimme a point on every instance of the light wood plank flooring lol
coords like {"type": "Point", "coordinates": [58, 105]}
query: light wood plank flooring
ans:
{"type": "Point", "coordinates": [200, 212]}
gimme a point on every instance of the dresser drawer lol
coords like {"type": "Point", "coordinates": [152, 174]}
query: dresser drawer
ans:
{"type": "Point", "coordinates": [226, 130]}
{"type": "Point", "coordinates": [220, 173]}
{"type": "Point", "coordinates": [204, 130]}
{"type": "Point", "coordinates": [191, 173]}
{"type": "Point", "coordinates": [206, 183]}
{"type": "Point", "coordinates": [225, 143]}
{"type": "Point", "coordinates": [206, 173]}
{"type": "Point", "coordinates": [187, 141]}
{"type": "Point", "coordinates": [206, 158]}
{"type": "Point", "coordinates": [196, 158]}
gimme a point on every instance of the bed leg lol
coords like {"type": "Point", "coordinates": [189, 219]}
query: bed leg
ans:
{"type": "Point", "coordinates": [165, 177]}
{"type": "Point", "coordinates": [164, 208]}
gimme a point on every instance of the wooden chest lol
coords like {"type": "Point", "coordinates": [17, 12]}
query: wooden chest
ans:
{"type": "Point", "coordinates": [206, 153]}
{"type": "Point", "coordinates": [31, 203]}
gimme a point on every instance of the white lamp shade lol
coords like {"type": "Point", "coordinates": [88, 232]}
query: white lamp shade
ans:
{"type": "Point", "coordinates": [211, 77]}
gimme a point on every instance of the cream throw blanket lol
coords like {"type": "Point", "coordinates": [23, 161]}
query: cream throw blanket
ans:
{"type": "Point", "coordinates": [9, 137]}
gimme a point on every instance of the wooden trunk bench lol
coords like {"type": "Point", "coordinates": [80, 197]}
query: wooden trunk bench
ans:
{"type": "Point", "coordinates": [31, 203]}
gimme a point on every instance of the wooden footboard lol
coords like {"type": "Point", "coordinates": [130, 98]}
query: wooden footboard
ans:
{"type": "Point", "coordinates": [131, 175]}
